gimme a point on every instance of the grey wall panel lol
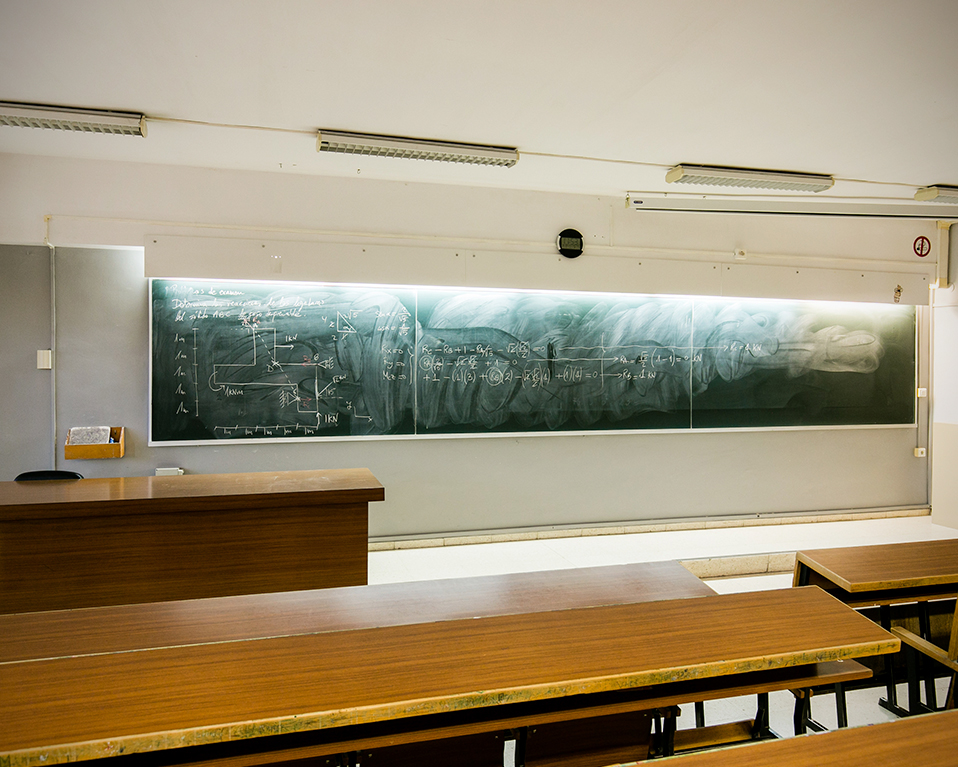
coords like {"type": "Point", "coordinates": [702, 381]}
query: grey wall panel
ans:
{"type": "Point", "coordinates": [26, 429]}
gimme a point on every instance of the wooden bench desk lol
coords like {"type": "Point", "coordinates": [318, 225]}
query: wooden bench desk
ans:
{"type": "Point", "coordinates": [929, 741]}
{"type": "Point", "coordinates": [88, 542]}
{"type": "Point", "coordinates": [125, 628]}
{"type": "Point", "coordinates": [263, 701]}
{"type": "Point", "coordinates": [885, 575]}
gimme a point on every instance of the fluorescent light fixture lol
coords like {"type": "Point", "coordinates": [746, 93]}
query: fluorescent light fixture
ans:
{"type": "Point", "coordinates": [938, 193]}
{"type": "Point", "coordinates": [751, 179]}
{"type": "Point", "coordinates": [67, 118]}
{"type": "Point", "coordinates": [787, 205]}
{"type": "Point", "coordinates": [414, 148]}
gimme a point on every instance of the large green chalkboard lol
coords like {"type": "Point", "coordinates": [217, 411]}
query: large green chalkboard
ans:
{"type": "Point", "coordinates": [243, 360]}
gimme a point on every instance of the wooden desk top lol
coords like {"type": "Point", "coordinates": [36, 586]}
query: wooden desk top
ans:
{"type": "Point", "coordinates": [930, 740]}
{"type": "Point", "coordinates": [94, 706]}
{"type": "Point", "coordinates": [890, 566]}
{"type": "Point", "coordinates": [125, 495]}
{"type": "Point", "coordinates": [96, 630]}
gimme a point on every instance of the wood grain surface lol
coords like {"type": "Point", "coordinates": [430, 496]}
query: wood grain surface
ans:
{"type": "Point", "coordinates": [93, 706]}
{"type": "Point", "coordinates": [86, 543]}
{"type": "Point", "coordinates": [929, 741]}
{"type": "Point", "coordinates": [453, 729]}
{"type": "Point", "coordinates": [64, 633]}
{"type": "Point", "coordinates": [128, 495]}
{"type": "Point", "coordinates": [888, 566]}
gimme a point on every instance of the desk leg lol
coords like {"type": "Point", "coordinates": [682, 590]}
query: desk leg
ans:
{"type": "Point", "coordinates": [925, 669]}
{"type": "Point", "coordinates": [802, 717]}
{"type": "Point", "coordinates": [520, 757]}
{"type": "Point", "coordinates": [801, 575]}
{"type": "Point", "coordinates": [915, 668]}
{"type": "Point", "coordinates": [914, 694]}
{"type": "Point", "coordinates": [763, 725]}
{"type": "Point", "coordinates": [802, 711]}
{"type": "Point", "coordinates": [668, 736]}
{"type": "Point", "coordinates": [890, 701]}
{"type": "Point", "coordinates": [841, 706]}
{"type": "Point", "coordinates": [663, 740]}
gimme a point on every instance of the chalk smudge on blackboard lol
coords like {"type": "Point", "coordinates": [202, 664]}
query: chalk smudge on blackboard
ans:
{"type": "Point", "coordinates": [273, 361]}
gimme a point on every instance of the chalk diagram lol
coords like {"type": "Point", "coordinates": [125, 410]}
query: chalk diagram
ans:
{"type": "Point", "coordinates": [271, 361]}
{"type": "Point", "coordinates": [268, 358]}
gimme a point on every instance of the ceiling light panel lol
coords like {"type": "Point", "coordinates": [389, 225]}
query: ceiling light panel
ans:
{"type": "Point", "coordinates": [748, 179]}
{"type": "Point", "coordinates": [414, 149]}
{"type": "Point", "coordinates": [938, 193]}
{"type": "Point", "coordinates": [67, 118]}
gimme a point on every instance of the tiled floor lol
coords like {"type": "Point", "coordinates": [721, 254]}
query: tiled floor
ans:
{"type": "Point", "coordinates": [413, 564]}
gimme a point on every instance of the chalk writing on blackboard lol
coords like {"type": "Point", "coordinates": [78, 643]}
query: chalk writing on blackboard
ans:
{"type": "Point", "coordinates": [275, 361]}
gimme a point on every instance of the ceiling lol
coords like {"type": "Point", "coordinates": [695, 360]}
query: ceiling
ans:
{"type": "Point", "coordinates": [599, 97]}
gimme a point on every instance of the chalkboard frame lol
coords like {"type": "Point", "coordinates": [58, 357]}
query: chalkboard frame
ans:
{"type": "Point", "coordinates": [470, 329]}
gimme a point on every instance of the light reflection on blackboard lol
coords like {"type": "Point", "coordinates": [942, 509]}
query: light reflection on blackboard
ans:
{"type": "Point", "coordinates": [274, 361]}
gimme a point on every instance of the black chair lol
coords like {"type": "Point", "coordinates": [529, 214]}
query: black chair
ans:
{"type": "Point", "coordinates": [47, 474]}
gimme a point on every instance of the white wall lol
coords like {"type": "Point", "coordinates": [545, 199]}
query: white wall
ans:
{"type": "Point", "coordinates": [456, 485]}
{"type": "Point", "coordinates": [944, 449]}
{"type": "Point", "coordinates": [94, 203]}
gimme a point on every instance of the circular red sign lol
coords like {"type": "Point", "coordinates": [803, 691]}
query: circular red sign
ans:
{"type": "Point", "coordinates": [922, 246]}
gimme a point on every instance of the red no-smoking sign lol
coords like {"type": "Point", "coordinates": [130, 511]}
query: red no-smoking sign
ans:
{"type": "Point", "coordinates": [922, 246]}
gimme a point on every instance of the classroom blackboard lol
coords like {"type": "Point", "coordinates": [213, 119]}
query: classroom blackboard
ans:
{"type": "Point", "coordinates": [280, 361]}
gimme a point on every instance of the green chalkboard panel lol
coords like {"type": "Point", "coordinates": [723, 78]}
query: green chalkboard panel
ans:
{"type": "Point", "coordinates": [274, 361]}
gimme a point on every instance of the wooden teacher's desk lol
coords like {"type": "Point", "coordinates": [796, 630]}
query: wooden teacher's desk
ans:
{"type": "Point", "coordinates": [88, 542]}
{"type": "Point", "coordinates": [450, 686]}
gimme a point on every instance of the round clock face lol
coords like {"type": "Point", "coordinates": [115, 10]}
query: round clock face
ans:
{"type": "Point", "coordinates": [570, 242]}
